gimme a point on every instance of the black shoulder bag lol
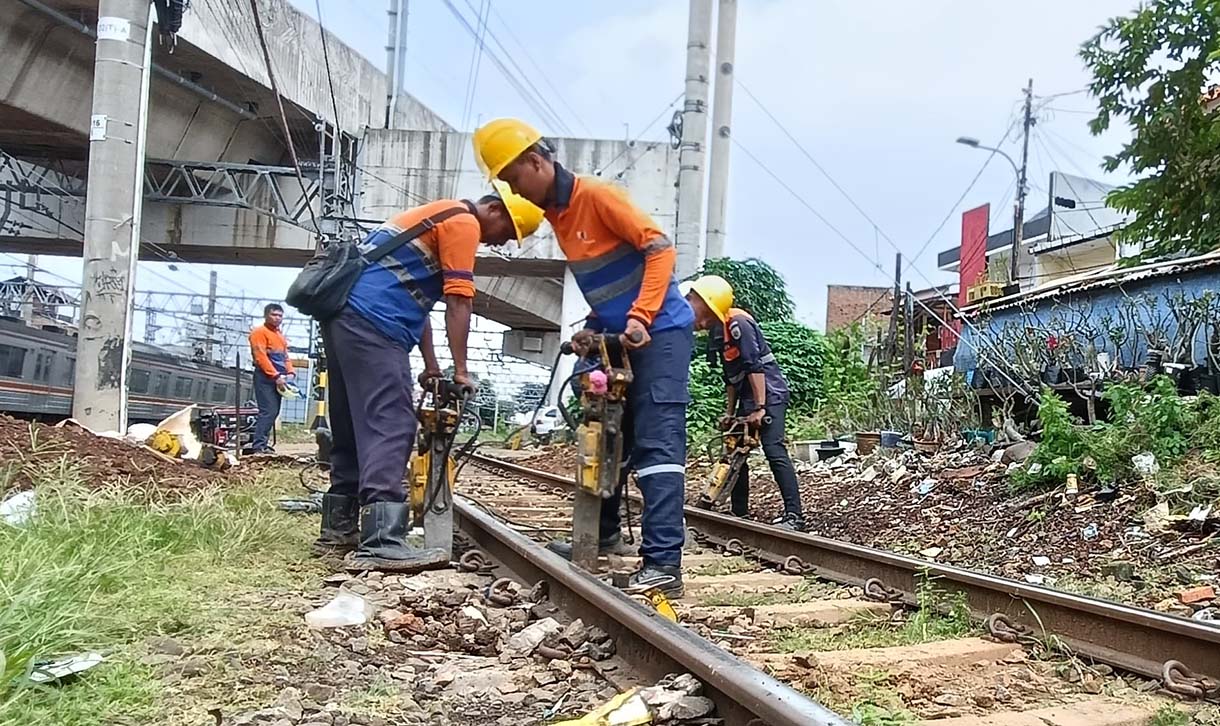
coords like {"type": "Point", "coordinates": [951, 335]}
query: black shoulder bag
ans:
{"type": "Point", "coordinates": [323, 285]}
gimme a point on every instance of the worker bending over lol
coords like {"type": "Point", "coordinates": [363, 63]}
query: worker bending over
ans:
{"type": "Point", "coordinates": [624, 265]}
{"type": "Point", "coordinates": [272, 374]}
{"type": "Point", "coordinates": [368, 347]}
{"type": "Point", "coordinates": [754, 388]}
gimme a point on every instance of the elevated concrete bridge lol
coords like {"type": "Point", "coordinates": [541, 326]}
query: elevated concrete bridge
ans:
{"type": "Point", "coordinates": [219, 187]}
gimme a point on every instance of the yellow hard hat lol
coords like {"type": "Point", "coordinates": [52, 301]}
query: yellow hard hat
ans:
{"type": "Point", "coordinates": [525, 214]}
{"type": "Point", "coordinates": [715, 291]}
{"type": "Point", "coordinates": [498, 142]}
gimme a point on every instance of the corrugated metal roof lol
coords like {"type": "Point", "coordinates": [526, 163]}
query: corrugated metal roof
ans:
{"type": "Point", "coordinates": [1112, 276]}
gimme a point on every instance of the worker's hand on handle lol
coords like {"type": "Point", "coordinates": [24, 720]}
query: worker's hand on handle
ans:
{"type": "Point", "coordinates": [726, 422]}
{"type": "Point", "coordinates": [469, 387]}
{"type": "Point", "coordinates": [427, 376]}
{"type": "Point", "coordinates": [755, 419]}
{"type": "Point", "coordinates": [281, 382]}
{"type": "Point", "coordinates": [636, 335]}
{"type": "Point", "coordinates": [582, 342]}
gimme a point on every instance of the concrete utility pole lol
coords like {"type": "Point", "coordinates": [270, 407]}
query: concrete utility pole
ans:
{"type": "Point", "coordinates": [396, 55]}
{"type": "Point", "coordinates": [722, 117]}
{"type": "Point", "coordinates": [210, 329]}
{"type": "Point", "coordinates": [692, 167]}
{"type": "Point", "coordinates": [112, 211]}
{"type": "Point", "coordinates": [27, 305]}
{"type": "Point", "coordinates": [1018, 223]}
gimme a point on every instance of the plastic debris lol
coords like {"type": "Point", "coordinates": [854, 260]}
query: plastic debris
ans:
{"type": "Point", "coordinates": [1041, 561]}
{"type": "Point", "coordinates": [1200, 513]}
{"type": "Point", "coordinates": [931, 552]}
{"type": "Point", "coordinates": [1207, 615]}
{"type": "Point", "coordinates": [1035, 579]}
{"type": "Point", "coordinates": [1156, 519]}
{"type": "Point", "coordinates": [524, 642]}
{"type": "Point", "coordinates": [19, 508]}
{"type": "Point", "coordinates": [1071, 487]}
{"type": "Point", "coordinates": [925, 487]}
{"type": "Point", "coordinates": [309, 505]}
{"type": "Point", "coordinates": [344, 610]}
{"type": "Point", "coordinates": [54, 670]}
{"type": "Point", "coordinates": [625, 709]}
{"type": "Point", "coordinates": [1146, 464]}
{"type": "Point", "coordinates": [1090, 532]}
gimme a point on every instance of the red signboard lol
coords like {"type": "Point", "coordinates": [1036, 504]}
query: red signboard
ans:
{"type": "Point", "coordinates": [973, 262]}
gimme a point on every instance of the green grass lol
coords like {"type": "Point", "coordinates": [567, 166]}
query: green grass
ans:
{"type": "Point", "coordinates": [1170, 715]}
{"type": "Point", "coordinates": [873, 700]}
{"type": "Point", "coordinates": [103, 570]}
{"type": "Point", "coordinates": [726, 566]}
{"type": "Point", "coordinates": [805, 592]}
{"type": "Point", "coordinates": [941, 616]}
{"type": "Point", "coordinates": [294, 433]}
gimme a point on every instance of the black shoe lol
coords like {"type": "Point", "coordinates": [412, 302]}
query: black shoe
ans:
{"type": "Point", "coordinates": [383, 543]}
{"type": "Point", "coordinates": [340, 526]}
{"type": "Point", "coordinates": [792, 522]}
{"type": "Point", "coordinates": [668, 578]}
{"type": "Point", "coordinates": [613, 546]}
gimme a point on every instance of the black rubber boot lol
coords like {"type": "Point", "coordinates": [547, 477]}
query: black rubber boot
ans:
{"type": "Point", "coordinates": [383, 542]}
{"type": "Point", "coordinates": [668, 578]}
{"type": "Point", "coordinates": [607, 547]}
{"type": "Point", "coordinates": [340, 526]}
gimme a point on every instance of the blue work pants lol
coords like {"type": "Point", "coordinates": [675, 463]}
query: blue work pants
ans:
{"type": "Point", "coordinates": [268, 398]}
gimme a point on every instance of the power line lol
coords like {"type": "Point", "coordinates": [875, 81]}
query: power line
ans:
{"type": "Point", "coordinates": [541, 72]}
{"type": "Point", "coordinates": [805, 203]}
{"type": "Point", "coordinates": [275, 89]}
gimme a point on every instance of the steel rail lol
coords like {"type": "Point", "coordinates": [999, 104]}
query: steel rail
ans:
{"type": "Point", "coordinates": [652, 644]}
{"type": "Point", "coordinates": [1134, 639]}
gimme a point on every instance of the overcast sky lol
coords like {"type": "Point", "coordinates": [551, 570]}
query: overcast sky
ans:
{"type": "Point", "coordinates": [876, 92]}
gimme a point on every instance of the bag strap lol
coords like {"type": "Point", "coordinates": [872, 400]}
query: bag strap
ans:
{"type": "Point", "coordinates": [407, 235]}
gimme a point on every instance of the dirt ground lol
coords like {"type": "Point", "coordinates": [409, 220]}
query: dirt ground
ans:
{"type": "Point", "coordinates": [103, 462]}
{"type": "Point", "coordinates": [956, 507]}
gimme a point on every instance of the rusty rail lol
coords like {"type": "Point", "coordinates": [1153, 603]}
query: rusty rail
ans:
{"type": "Point", "coordinates": [1134, 639]}
{"type": "Point", "coordinates": [652, 644]}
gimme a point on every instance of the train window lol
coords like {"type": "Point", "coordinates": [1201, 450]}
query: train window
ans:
{"type": "Point", "coordinates": [201, 391]}
{"type": "Point", "coordinates": [220, 392]}
{"type": "Point", "coordinates": [161, 384]}
{"type": "Point", "coordinates": [139, 380]}
{"type": "Point", "coordinates": [42, 365]}
{"type": "Point", "coordinates": [182, 387]}
{"type": "Point", "coordinates": [71, 378]}
{"type": "Point", "coordinates": [12, 361]}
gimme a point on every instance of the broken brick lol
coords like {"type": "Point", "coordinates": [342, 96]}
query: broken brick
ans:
{"type": "Point", "coordinates": [1197, 594]}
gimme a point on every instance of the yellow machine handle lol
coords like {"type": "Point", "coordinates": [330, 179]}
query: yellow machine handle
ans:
{"type": "Point", "coordinates": [418, 479]}
{"type": "Point", "coordinates": [588, 456]}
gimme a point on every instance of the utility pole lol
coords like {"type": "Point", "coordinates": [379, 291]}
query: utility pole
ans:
{"type": "Point", "coordinates": [27, 304]}
{"type": "Point", "coordinates": [113, 207]}
{"type": "Point", "coordinates": [1018, 222]}
{"type": "Point", "coordinates": [891, 338]}
{"type": "Point", "coordinates": [722, 117]}
{"type": "Point", "coordinates": [396, 54]}
{"type": "Point", "coordinates": [210, 329]}
{"type": "Point", "coordinates": [692, 153]}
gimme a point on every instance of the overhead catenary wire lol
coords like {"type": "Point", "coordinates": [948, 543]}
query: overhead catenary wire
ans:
{"type": "Point", "coordinates": [805, 203]}
{"type": "Point", "coordinates": [275, 89]}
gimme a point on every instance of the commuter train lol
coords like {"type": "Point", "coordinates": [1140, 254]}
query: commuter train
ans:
{"type": "Point", "coordinates": [37, 368]}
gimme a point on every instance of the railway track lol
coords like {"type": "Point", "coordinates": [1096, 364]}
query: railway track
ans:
{"type": "Point", "coordinates": [773, 620]}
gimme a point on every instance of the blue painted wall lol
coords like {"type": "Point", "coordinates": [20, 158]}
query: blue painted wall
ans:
{"type": "Point", "coordinates": [1152, 304]}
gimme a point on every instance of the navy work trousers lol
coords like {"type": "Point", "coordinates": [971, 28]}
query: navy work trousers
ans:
{"type": "Point", "coordinates": [654, 445]}
{"type": "Point", "coordinates": [267, 396]}
{"type": "Point", "coordinates": [771, 436]}
{"type": "Point", "coordinates": [372, 414]}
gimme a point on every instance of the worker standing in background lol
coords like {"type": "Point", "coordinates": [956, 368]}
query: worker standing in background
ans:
{"type": "Point", "coordinates": [624, 265]}
{"type": "Point", "coordinates": [368, 346]}
{"type": "Point", "coordinates": [754, 388]}
{"type": "Point", "coordinates": [272, 373]}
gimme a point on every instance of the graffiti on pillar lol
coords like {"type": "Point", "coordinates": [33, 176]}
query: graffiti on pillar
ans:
{"type": "Point", "coordinates": [110, 363]}
{"type": "Point", "coordinates": [110, 285]}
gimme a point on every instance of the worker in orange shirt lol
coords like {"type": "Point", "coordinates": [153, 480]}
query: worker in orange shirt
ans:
{"type": "Point", "coordinates": [624, 265]}
{"type": "Point", "coordinates": [273, 373]}
{"type": "Point", "coordinates": [368, 347]}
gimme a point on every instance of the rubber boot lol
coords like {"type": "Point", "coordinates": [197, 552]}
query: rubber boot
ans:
{"type": "Point", "coordinates": [383, 542]}
{"type": "Point", "coordinates": [605, 548]}
{"type": "Point", "coordinates": [340, 526]}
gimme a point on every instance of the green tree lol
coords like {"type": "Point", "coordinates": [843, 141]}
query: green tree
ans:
{"type": "Point", "coordinates": [757, 287]}
{"type": "Point", "coordinates": [1150, 69]}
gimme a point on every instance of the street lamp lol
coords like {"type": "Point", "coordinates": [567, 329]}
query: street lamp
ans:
{"type": "Point", "coordinates": [1018, 221]}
